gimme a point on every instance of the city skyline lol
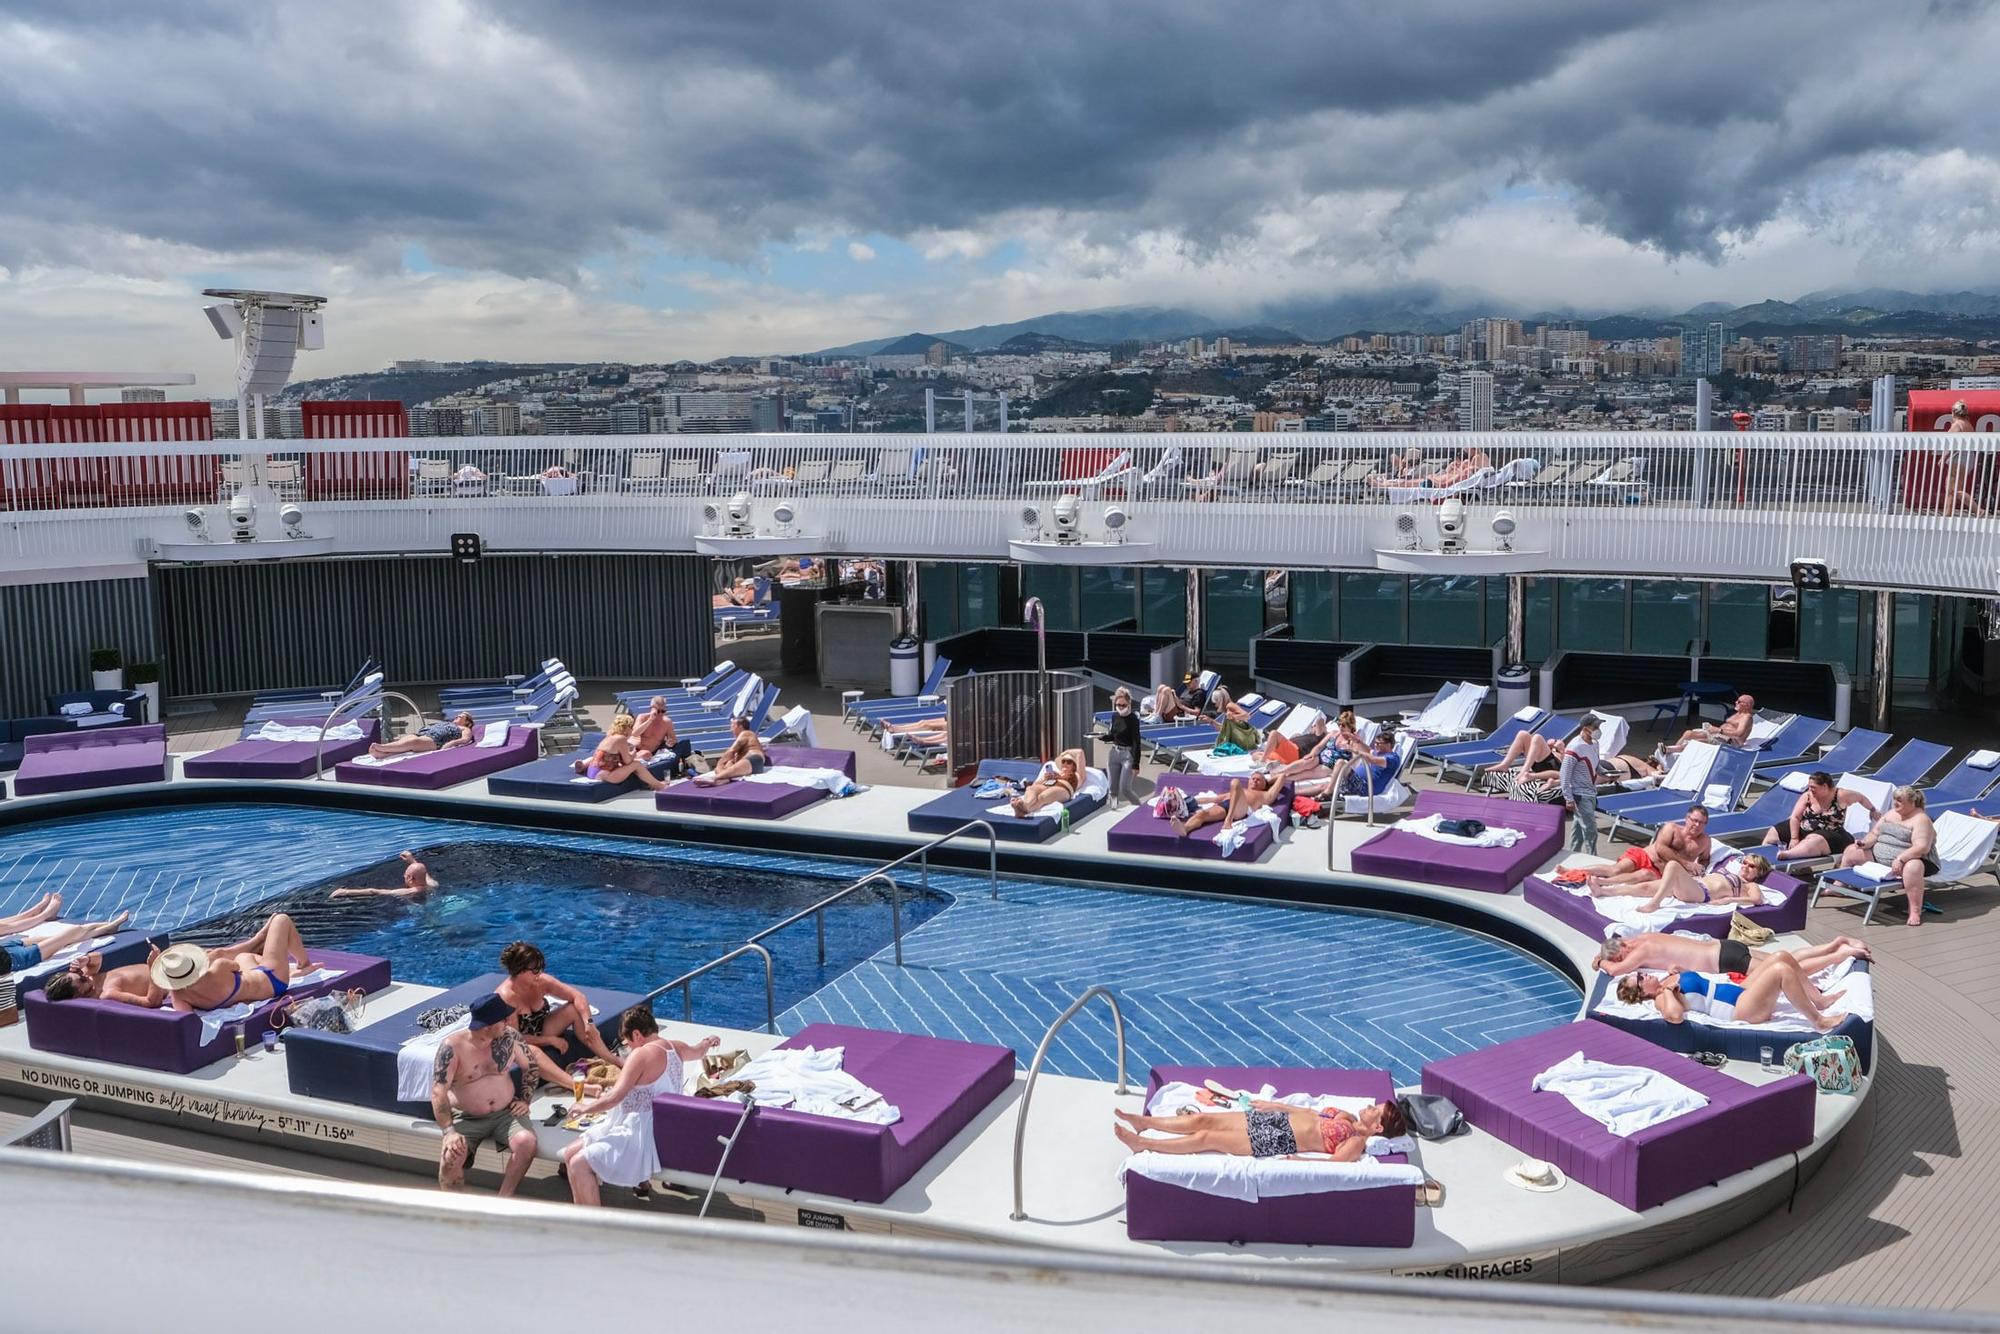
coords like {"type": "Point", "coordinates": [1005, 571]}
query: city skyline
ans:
{"type": "Point", "coordinates": [640, 183]}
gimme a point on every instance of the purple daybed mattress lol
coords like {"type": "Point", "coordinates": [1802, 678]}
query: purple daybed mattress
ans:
{"type": "Point", "coordinates": [940, 1084]}
{"type": "Point", "coordinates": [436, 769]}
{"type": "Point", "coordinates": [1743, 1125]}
{"type": "Point", "coordinates": [756, 801]}
{"type": "Point", "coordinates": [1143, 831]}
{"type": "Point", "coordinates": [254, 758]}
{"type": "Point", "coordinates": [1581, 913]}
{"type": "Point", "coordinates": [170, 1040]}
{"type": "Point", "coordinates": [1397, 854]}
{"type": "Point", "coordinates": [96, 757]}
{"type": "Point", "coordinates": [1379, 1216]}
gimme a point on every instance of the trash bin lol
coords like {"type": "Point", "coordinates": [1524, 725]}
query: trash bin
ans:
{"type": "Point", "coordinates": [1510, 692]}
{"type": "Point", "coordinates": [906, 666]}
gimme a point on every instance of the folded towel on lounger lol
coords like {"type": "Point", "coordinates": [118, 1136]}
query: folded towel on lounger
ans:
{"type": "Point", "coordinates": [282, 732]}
{"type": "Point", "coordinates": [1624, 1099]}
{"type": "Point", "coordinates": [1235, 1177]}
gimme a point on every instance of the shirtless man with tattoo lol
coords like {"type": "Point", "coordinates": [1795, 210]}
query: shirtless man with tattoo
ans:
{"type": "Point", "coordinates": [477, 1096]}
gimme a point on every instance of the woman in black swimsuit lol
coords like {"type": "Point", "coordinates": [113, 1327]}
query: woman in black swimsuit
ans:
{"type": "Point", "coordinates": [1818, 823]}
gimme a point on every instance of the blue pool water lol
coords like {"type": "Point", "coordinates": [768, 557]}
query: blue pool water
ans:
{"type": "Point", "coordinates": [1200, 979]}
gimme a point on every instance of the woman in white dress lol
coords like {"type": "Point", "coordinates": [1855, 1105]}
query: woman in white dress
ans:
{"type": "Point", "coordinates": [620, 1149]}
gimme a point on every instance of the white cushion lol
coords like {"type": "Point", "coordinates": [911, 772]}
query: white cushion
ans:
{"type": "Point", "coordinates": [1527, 715]}
{"type": "Point", "coordinates": [491, 735]}
{"type": "Point", "coordinates": [76, 710]}
{"type": "Point", "coordinates": [1983, 759]}
{"type": "Point", "coordinates": [1795, 781]}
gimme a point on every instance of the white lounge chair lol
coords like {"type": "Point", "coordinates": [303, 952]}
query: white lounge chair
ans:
{"type": "Point", "coordinates": [1088, 487]}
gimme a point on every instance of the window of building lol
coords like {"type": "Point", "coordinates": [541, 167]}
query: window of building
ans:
{"type": "Point", "coordinates": [1232, 614]}
{"type": "Point", "coordinates": [1163, 602]}
{"type": "Point", "coordinates": [1913, 635]}
{"type": "Point", "coordinates": [1739, 621]}
{"type": "Point", "coordinates": [1448, 609]}
{"type": "Point", "coordinates": [1590, 615]}
{"type": "Point", "coordinates": [1830, 626]}
{"type": "Point", "coordinates": [978, 597]}
{"type": "Point", "coordinates": [938, 585]}
{"type": "Point", "coordinates": [1055, 585]}
{"type": "Point", "coordinates": [1666, 615]}
{"type": "Point", "coordinates": [1371, 608]}
{"type": "Point", "coordinates": [1313, 604]}
{"type": "Point", "coordinates": [1110, 598]}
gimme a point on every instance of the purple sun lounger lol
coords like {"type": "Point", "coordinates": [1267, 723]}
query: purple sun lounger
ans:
{"type": "Point", "coordinates": [1397, 854]}
{"type": "Point", "coordinates": [100, 757]}
{"type": "Point", "coordinates": [939, 1084]}
{"type": "Point", "coordinates": [1143, 831]}
{"type": "Point", "coordinates": [1580, 912]}
{"type": "Point", "coordinates": [171, 1040]}
{"type": "Point", "coordinates": [756, 801]}
{"type": "Point", "coordinates": [254, 758]}
{"type": "Point", "coordinates": [435, 769]}
{"type": "Point", "coordinates": [1743, 1126]}
{"type": "Point", "coordinates": [1376, 1216]}
{"type": "Point", "coordinates": [1738, 1043]}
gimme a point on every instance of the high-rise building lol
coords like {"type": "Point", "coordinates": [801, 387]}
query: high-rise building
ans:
{"type": "Point", "coordinates": [767, 412]}
{"type": "Point", "coordinates": [449, 419]}
{"type": "Point", "coordinates": [706, 412]}
{"type": "Point", "coordinates": [562, 416]}
{"type": "Point", "coordinates": [1806, 353]}
{"type": "Point", "coordinates": [937, 354]}
{"type": "Point", "coordinates": [1194, 349]}
{"type": "Point", "coordinates": [500, 419]}
{"type": "Point", "coordinates": [1475, 401]}
{"type": "Point", "coordinates": [142, 396]}
{"type": "Point", "coordinates": [222, 418]}
{"type": "Point", "coordinates": [1566, 339]}
{"type": "Point", "coordinates": [631, 417]}
{"type": "Point", "coordinates": [1702, 346]}
{"type": "Point", "coordinates": [1499, 335]}
{"type": "Point", "coordinates": [1224, 350]}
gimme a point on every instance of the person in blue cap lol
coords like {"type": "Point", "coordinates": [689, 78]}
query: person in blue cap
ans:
{"type": "Point", "coordinates": [479, 1095]}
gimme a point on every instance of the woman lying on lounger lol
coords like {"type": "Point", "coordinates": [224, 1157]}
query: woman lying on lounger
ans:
{"type": "Point", "coordinates": [1057, 783]}
{"type": "Point", "coordinates": [1267, 1130]}
{"type": "Point", "coordinates": [1741, 886]}
{"type": "Point", "coordinates": [46, 939]}
{"type": "Point", "coordinates": [1471, 459]}
{"type": "Point", "coordinates": [1531, 754]}
{"type": "Point", "coordinates": [438, 736]}
{"type": "Point", "coordinates": [617, 758]}
{"type": "Point", "coordinates": [1753, 1000]}
{"type": "Point", "coordinates": [744, 757]}
{"type": "Point", "coordinates": [47, 910]}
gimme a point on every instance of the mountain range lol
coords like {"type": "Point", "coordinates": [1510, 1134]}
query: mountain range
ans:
{"type": "Point", "coordinates": [1419, 309]}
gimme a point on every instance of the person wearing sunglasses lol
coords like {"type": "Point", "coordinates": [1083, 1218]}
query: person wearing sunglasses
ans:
{"type": "Point", "coordinates": [1123, 761]}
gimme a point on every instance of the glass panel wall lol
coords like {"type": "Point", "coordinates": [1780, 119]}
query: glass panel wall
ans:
{"type": "Point", "coordinates": [1830, 628]}
{"type": "Point", "coordinates": [1666, 615]}
{"type": "Point", "coordinates": [1232, 613]}
{"type": "Point", "coordinates": [1739, 620]}
{"type": "Point", "coordinates": [1313, 604]}
{"type": "Point", "coordinates": [978, 597]}
{"type": "Point", "coordinates": [1371, 608]}
{"type": "Point", "coordinates": [1110, 597]}
{"type": "Point", "coordinates": [1055, 585]}
{"type": "Point", "coordinates": [1912, 653]}
{"type": "Point", "coordinates": [939, 587]}
{"type": "Point", "coordinates": [1590, 615]}
{"type": "Point", "coordinates": [1163, 602]}
{"type": "Point", "coordinates": [1449, 609]}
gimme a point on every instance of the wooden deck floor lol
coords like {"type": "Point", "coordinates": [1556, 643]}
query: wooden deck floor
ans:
{"type": "Point", "coordinates": [1900, 1217]}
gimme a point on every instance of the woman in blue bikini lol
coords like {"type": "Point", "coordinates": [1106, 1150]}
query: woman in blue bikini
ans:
{"type": "Point", "coordinates": [195, 979]}
{"type": "Point", "coordinates": [1749, 999]}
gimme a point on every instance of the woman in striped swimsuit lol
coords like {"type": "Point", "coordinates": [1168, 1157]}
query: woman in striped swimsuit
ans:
{"type": "Point", "coordinates": [1266, 1130]}
{"type": "Point", "coordinates": [438, 736]}
{"type": "Point", "coordinates": [1750, 999]}
{"type": "Point", "coordinates": [1744, 885]}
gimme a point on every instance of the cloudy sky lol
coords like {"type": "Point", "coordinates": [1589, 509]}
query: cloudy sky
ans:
{"type": "Point", "coordinates": [644, 180]}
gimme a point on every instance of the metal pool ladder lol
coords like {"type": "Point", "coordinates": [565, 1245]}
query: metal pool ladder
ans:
{"type": "Point", "coordinates": [326, 724]}
{"type": "Point", "coordinates": [1035, 1072]}
{"type": "Point", "coordinates": [685, 984]}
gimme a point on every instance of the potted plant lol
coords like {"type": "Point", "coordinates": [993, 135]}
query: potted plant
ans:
{"type": "Point", "coordinates": [104, 673]}
{"type": "Point", "coordinates": [144, 677]}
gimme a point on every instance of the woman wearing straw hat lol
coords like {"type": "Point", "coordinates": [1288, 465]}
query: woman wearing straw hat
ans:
{"type": "Point", "coordinates": [195, 979]}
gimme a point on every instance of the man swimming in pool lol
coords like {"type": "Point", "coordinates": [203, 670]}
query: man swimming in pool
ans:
{"type": "Point", "coordinates": [86, 978]}
{"type": "Point", "coordinates": [1266, 1130]}
{"type": "Point", "coordinates": [417, 882]}
{"type": "Point", "coordinates": [28, 947]}
{"type": "Point", "coordinates": [546, 1025]}
{"type": "Point", "coordinates": [1657, 951]}
{"type": "Point", "coordinates": [744, 757]}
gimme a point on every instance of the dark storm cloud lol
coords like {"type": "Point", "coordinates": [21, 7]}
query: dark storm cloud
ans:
{"type": "Point", "coordinates": [527, 136]}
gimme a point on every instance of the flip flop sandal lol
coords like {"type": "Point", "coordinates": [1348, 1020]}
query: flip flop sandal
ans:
{"type": "Point", "coordinates": [1430, 1195]}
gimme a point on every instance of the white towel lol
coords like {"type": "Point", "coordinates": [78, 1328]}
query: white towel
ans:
{"type": "Point", "coordinates": [1176, 1096]}
{"type": "Point", "coordinates": [826, 780]}
{"type": "Point", "coordinates": [383, 761]}
{"type": "Point", "coordinates": [1624, 1099]}
{"type": "Point", "coordinates": [1235, 1177]}
{"type": "Point", "coordinates": [1232, 838]}
{"type": "Point", "coordinates": [811, 1080]}
{"type": "Point", "coordinates": [1690, 768]}
{"type": "Point", "coordinates": [76, 710]}
{"type": "Point", "coordinates": [1762, 730]}
{"type": "Point", "coordinates": [416, 1061]}
{"type": "Point", "coordinates": [280, 732]}
{"type": "Point", "coordinates": [1718, 797]}
{"type": "Point", "coordinates": [1963, 844]}
{"type": "Point", "coordinates": [1425, 826]}
{"type": "Point", "coordinates": [1795, 781]}
{"type": "Point", "coordinates": [1983, 759]}
{"type": "Point", "coordinates": [492, 735]}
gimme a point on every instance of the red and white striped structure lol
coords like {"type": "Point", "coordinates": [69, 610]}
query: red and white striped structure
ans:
{"type": "Point", "coordinates": [371, 476]}
{"type": "Point", "coordinates": [62, 483]}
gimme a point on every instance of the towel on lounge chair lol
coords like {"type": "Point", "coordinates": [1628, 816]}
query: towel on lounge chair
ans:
{"type": "Point", "coordinates": [1623, 910]}
{"type": "Point", "coordinates": [379, 761]}
{"type": "Point", "coordinates": [1232, 837]}
{"type": "Point", "coordinates": [1624, 1099]}
{"type": "Point", "coordinates": [811, 1080]}
{"type": "Point", "coordinates": [416, 1061]}
{"type": "Point", "coordinates": [282, 732]}
{"type": "Point", "coordinates": [59, 961]}
{"type": "Point", "coordinates": [1427, 826]}
{"type": "Point", "coordinates": [826, 780]}
{"type": "Point", "coordinates": [1856, 1001]}
{"type": "Point", "coordinates": [491, 736]}
{"type": "Point", "coordinates": [1236, 1177]}
{"type": "Point", "coordinates": [1689, 772]}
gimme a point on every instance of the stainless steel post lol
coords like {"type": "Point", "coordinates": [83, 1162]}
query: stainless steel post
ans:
{"type": "Point", "coordinates": [1194, 645]}
{"type": "Point", "coordinates": [1036, 615]}
{"type": "Point", "coordinates": [1885, 655]}
{"type": "Point", "coordinates": [1517, 619]}
{"type": "Point", "coordinates": [913, 603]}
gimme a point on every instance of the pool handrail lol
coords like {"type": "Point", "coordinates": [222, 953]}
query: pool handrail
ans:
{"type": "Point", "coordinates": [319, 754]}
{"type": "Point", "coordinates": [1333, 812]}
{"type": "Point", "coordinates": [818, 913]}
{"type": "Point", "coordinates": [923, 856]}
{"type": "Point", "coordinates": [1035, 1072]}
{"type": "Point", "coordinates": [686, 984]}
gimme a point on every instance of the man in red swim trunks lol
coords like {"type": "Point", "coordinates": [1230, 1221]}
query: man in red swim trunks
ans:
{"type": "Point", "coordinates": [1685, 841]}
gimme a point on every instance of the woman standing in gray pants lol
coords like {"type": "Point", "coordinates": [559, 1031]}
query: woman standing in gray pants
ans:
{"type": "Point", "coordinates": [1123, 762]}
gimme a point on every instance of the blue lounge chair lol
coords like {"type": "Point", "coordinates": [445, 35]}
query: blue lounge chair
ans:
{"type": "Point", "coordinates": [859, 709]}
{"type": "Point", "coordinates": [318, 694]}
{"type": "Point", "coordinates": [1554, 726]}
{"type": "Point", "coordinates": [1773, 805]}
{"type": "Point", "coordinates": [363, 700]}
{"type": "Point", "coordinates": [1207, 681]}
{"type": "Point", "coordinates": [1497, 741]}
{"type": "Point", "coordinates": [1964, 782]}
{"type": "Point", "coordinates": [1911, 763]}
{"type": "Point", "coordinates": [1657, 806]}
{"type": "Point", "coordinates": [514, 687]}
{"type": "Point", "coordinates": [634, 701]}
{"type": "Point", "coordinates": [1793, 741]}
{"type": "Point", "coordinates": [1854, 751]}
{"type": "Point", "coordinates": [1965, 847]}
{"type": "Point", "coordinates": [548, 704]}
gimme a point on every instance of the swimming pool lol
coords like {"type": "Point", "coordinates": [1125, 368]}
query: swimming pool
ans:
{"type": "Point", "coordinates": [1201, 979]}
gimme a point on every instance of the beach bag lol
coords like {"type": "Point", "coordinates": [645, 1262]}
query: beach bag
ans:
{"type": "Point", "coordinates": [1431, 1115]}
{"type": "Point", "coordinates": [1241, 735]}
{"type": "Point", "coordinates": [1748, 932]}
{"type": "Point", "coordinates": [1172, 804]}
{"type": "Point", "coordinates": [1831, 1061]}
{"type": "Point", "coordinates": [332, 1013]}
